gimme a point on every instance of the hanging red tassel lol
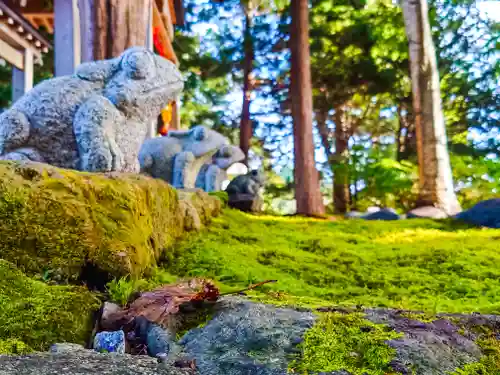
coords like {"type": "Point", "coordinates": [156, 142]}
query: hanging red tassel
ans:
{"type": "Point", "coordinates": [158, 45]}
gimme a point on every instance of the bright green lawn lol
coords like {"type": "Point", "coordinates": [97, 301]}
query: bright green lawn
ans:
{"type": "Point", "coordinates": [411, 264]}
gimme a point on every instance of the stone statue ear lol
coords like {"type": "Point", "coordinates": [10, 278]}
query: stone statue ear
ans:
{"type": "Point", "coordinates": [179, 133]}
{"type": "Point", "coordinates": [97, 71]}
{"type": "Point", "coordinates": [199, 133]}
{"type": "Point", "coordinates": [139, 63]}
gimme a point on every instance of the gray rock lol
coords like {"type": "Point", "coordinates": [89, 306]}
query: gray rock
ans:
{"type": "Point", "coordinates": [211, 176]}
{"type": "Point", "coordinates": [110, 342]}
{"type": "Point", "coordinates": [429, 212]}
{"type": "Point", "coordinates": [65, 347]}
{"type": "Point", "coordinates": [427, 348]}
{"type": "Point", "coordinates": [159, 341]}
{"type": "Point", "coordinates": [245, 338]}
{"type": "Point", "coordinates": [106, 319]}
{"type": "Point", "coordinates": [94, 120]}
{"type": "Point", "coordinates": [178, 157]}
{"type": "Point", "coordinates": [383, 214]}
{"type": "Point", "coordinates": [484, 214]}
{"type": "Point", "coordinates": [246, 202]}
{"type": "Point", "coordinates": [78, 361]}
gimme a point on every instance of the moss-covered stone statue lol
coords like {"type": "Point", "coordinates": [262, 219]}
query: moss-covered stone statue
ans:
{"type": "Point", "coordinates": [94, 120]}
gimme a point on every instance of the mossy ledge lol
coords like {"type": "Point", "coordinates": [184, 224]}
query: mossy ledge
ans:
{"type": "Point", "coordinates": [35, 315]}
{"type": "Point", "coordinates": [63, 223]}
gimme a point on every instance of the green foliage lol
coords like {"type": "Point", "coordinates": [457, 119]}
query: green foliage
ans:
{"type": "Point", "coordinates": [478, 177]}
{"type": "Point", "coordinates": [346, 342]}
{"type": "Point", "coordinates": [14, 346]}
{"type": "Point", "coordinates": [5, 86]}
{"type": "Point", "coordinates": [120, 290]}
{"type": "Point", "coordinates": [60, 220]}
{"type": "Point", "coordinates": [356, 48]}
{"type": "Point", "coordinates": [467, 43]}
{"type": "Point", "coordinates": [389, 183]}
{"type": "Point", "coordinates": [205, 84]}
{"type": "Point", "coordinates": [412, 264]}
{"type": "Point", "coordinates": [35, 315]}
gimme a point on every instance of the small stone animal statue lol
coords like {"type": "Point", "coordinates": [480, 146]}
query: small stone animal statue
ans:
{"type": "Point", "coordinates": [178, 157]}
{"type": "Point", "coordinates": [212, 175]}
{"type": "Point", "coordinates": [94, 120]}
{"type": "Point", "coordinates": [247, 184]}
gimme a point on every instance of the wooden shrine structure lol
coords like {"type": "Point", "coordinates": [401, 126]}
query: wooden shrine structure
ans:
{"type": "Point", "coordinates": [22, 43]}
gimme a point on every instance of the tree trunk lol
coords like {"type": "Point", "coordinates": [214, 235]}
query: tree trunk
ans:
{"type": "Point", "coordinates": [341, 193]}
{"type": "Point", "coordinates": [406, 142]}
{"type": "Point", "coordinates": [246, 129]}
{"type": "Point", "coordinates": [307, 190]}
{"type": "Point", "coordinates": [436, 182]}
{"type": "Point", "coordinates": [112, 26]}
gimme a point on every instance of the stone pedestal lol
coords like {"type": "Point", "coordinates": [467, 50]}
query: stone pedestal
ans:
{"type": "Point", "coordinates": [246, 202]}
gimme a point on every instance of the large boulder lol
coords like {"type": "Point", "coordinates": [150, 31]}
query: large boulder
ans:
{"type": "Point", "coordinates": [94, 120]}
{"type": "Point", "coordinates": [74, 359]}
{"type": "Point", "coordinates": [429, 212]}
{"type": "Point", "coordinates": [484, 214]}
{"type": "Point", "coordinates": [252, 338]}
{"type": "Point", "coordinates": [74, 225]}
{"type": "Point", "coordinates": [382, 214]}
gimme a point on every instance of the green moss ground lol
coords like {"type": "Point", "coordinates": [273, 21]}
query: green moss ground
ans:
{"type": "Point", "coordinates": [422, 265]}
{"type": "Point", "coordinates": [52, 222]}
{"type": "Point", "coordinates": [35, 315]}
{"type": "Point", "coordinates": [413, 264]}
{"type": "Point", "coordinates": [346, 342]}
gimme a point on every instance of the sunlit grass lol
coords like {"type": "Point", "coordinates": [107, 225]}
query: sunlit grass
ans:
{"type": "Point", "coordinates": [435, 266]}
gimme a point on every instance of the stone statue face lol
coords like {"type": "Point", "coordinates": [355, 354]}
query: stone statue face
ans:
{"type": "Point", "coordinates": [228, 155]}
{"type": "Point", "coordinates": [258, 177]}
{"type": "Point", "coordinates": [142, 83]}
{"type": "Point", "coordinates": [199, 140]}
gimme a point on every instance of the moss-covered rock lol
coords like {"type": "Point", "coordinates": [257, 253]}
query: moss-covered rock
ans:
{"type": "Point", "coordinates": [222, 195]}
{"type": "Point", "coordinates": [60, 221]}
{"type": "Point", "coordinates": [34, 315]}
